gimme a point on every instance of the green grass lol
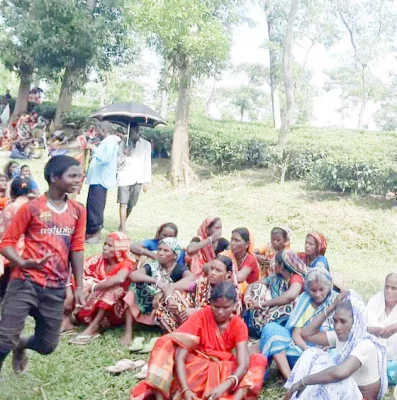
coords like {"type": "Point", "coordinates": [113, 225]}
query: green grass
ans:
{"type": "Point", "coordinates": [361, 233]}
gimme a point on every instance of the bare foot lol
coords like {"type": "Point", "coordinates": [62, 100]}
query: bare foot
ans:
{"type": "Point", "coordinates": [67, 325]}
{"type": "Point", "coordinates": [126, 340]}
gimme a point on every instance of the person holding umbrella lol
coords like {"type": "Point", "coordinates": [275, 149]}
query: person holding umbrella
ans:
{"type": "Point", "coordinates": [101, 176]}
{"type": "Point", "coordinates": [134, 172]}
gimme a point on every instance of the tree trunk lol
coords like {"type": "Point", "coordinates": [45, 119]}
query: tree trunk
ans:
{"type": "Point", "coordinates": [181, 172]}
{"type": "Point", "coordinates": [210, 100]}
{"type": "Point", "coordinates": [164, 103]}
{"type": "Point", "coordinates": [288, 75]}
{"type": "Point", "coordinates": [364, 97]}
{"type": "Point", "coordinates": [66, 96]}
{"type": "Point", "coordinates": [273, 69]}
{"type": "Point", "coordinates": [242, 113]}
{"type": "Point", "coordinates": [21, 103]}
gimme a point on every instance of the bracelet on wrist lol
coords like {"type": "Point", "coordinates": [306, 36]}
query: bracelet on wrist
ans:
{"type": "Point", "coordinates": [68, 285]}
{"type": "Point", "coordinates": [93, 288]}
{"type": "Point", "coordinates": [186, 390]}
{"type": "Point", "coordinates": [169, 297]}
{"type": "Point", "coordinates": [303, 382]}
{"type": "Point", "coordinates": [235, 379]}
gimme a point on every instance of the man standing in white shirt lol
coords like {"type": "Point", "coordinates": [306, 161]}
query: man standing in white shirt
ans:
{"type": "Point", "coordinates": [134, 173]}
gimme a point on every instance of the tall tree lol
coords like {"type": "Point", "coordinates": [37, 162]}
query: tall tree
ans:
{"type": "Point", "coordinates": [288, 75]}
{"type": "Point", "coordinates": [193, 36]}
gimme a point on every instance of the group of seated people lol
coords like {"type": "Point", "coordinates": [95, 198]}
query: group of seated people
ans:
{"type": "Point", "coordinates": [208, 299]}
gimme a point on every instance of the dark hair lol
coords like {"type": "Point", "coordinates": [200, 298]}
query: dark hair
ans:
{"type": "Point", "coordinates": [167, 225]}
{"type": "Point", "coordinates": [345, 305]}
{"type": "Point", "coordinates": [20, 187]}
{"type": "Point", "coordinates": [224, 290]}
{"type": "Point", "coordinates": [25, 166]}
{"type": "Point", "coordinates": [213, 223]}
{"type": "Point", "coordinates": [227, 261]}
{"type": "Point", "coordinates": [281, 231]}
{"type": "Point", "coordinates": [57, 166]}
{"type": "Point", "coordinates": [7, 169]}
{"type": "Point", "coordinates": [243, 232]}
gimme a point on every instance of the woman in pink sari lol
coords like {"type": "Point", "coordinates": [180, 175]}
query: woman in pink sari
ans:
{"type": "Point", "coordinates": [206, 245]}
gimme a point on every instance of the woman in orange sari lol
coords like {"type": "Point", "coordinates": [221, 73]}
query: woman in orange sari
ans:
{"type": "Point", "coordinates": [105, 285]}
{"type": "Point", "coordinates": [241, 252]}
{"type": "Point", "coordinates": [201, 354]}
{"type": "Point", "coordinates": [206, 245]}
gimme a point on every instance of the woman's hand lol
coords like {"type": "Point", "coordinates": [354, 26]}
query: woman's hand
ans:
{"type": "Point", "coordinates": [296, 388]}
{"type": "Point", "coordinates": [339, 298]}
{"type": "Point", "coordinates": [388, 331]}
{"type": "Point", "coordinates": [69, 300]}
{"type": "Point", "coordinates": [156, 300]}
{"type": "Point", "coordinates": [189, 395]}
{"type": "Point", "coordinates": [219, 390]}
{"type": "Point", "coordinates": [163, 286]}
{"type": "Point", "coordinates": [185, 314]}
{"type": "Point", "coordinates": [263, 260]}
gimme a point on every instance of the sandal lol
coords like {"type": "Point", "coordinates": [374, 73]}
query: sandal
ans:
{"type": "Point", "coordinates": [84, 339]}
{"type": "Point", "coordinates": [125, 365]}
{"type": "Point", "coordinates": [137, 344]}
{"type": "Point", "coordinates": [148, 347]}
{"type": "Point", "coordinates": [143, 373]}
{"type": "Point", "coordinates": [69, 332]}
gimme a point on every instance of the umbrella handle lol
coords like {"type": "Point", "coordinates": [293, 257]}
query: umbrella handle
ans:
{"type": "Point", "coordinates": [128, 133]}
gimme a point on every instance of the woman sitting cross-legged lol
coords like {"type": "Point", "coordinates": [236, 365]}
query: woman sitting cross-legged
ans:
{"type": "Point", "coordinates": [150, 299]}
{"type": "Point", "coordinates": [382, 322]}
{"type": "Point", "coordinates": [286, 344]}
{"type": "Point", "coordinates": [105, 285]}
{"type": "Point", "coordinates": [315, 248]}
{"type": "Point", "coordinates": [359, 369]}
{"type": "Point", "coordinates": [271, 299]}
{"type": "Point", "coordinates": [241, 252]}
{"type": "Point", "coordinates": [206, 245]}
{"type": "Point", "coordinates": [198, 361]}
{"type": "Point", "coordinates": [148, 247]}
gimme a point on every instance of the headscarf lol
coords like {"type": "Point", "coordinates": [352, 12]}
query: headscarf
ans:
{"type": "Point", "coordinates": [121, 245]}
{"type": "Point", "coordinates": [292, 262]}
{"type": "Point", "coordinates": [288, 233]}
{"type": "Point", "coordinates": [321, 242]}
{"type": "Point", "coordinates": [358, 332]}
{"type": "Point", "coordinates": [173, 244]}
{"type": "Point", "coordinates": [202, 231]}
{"type": "Point", "coordinates": [304, 300]}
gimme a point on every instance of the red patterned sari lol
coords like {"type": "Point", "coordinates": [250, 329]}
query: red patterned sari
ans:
{"type": "Point", "coordinates": [209, 362]}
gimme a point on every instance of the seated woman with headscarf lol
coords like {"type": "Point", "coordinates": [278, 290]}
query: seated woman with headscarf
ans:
{"type": "Point", "coordinates": [280, 239]}
{"type": "Point", "coordinates": [206, 245]}
{"type": "Point", "coordinates": [272, 299]}
{"type": "Point", "coordinates": [241, 252]}
{"type": "Point", "coordinates": [382, 322]}
{"type": "Point", "coordinates": [285, 344]}
{"type": "Point", "coordinates": [148, 247]}
{"type": "Point", "coordinates": [315, 248]}
{"type": "Point", "coordinates": [358, 371]}
{"type": "Point", "coordinates": [105, 285]}
{"type": "Point", "coordinates": [206, 358]}
{"type": "Point", "coordinates": [150, 298]}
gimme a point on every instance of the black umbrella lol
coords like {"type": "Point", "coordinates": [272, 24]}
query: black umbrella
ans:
{"type": "Point", "coordinates": [125, 114]}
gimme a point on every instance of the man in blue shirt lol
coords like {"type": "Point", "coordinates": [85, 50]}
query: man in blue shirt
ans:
{"type": "Point", "coordinates": [101, 176]}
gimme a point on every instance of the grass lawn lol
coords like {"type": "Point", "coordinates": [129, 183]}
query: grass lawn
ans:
{"type": "Point", "coordinates": [361, 237]}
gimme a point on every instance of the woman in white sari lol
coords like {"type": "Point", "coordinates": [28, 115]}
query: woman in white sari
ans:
{"type": "Point", "coordinates": [382, 322]}
{"type": "Point", "coordinates": [359, 369]}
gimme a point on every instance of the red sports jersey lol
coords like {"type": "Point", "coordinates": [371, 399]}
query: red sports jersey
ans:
{"type": "Point", "coordinates": [47, 231]}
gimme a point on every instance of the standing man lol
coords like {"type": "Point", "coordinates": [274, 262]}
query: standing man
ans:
{"type": "Point", "coordinates": [135, 173]}
{"type": "Point", "coordinates": [101, 176]}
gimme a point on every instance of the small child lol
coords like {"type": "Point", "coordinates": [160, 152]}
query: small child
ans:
{"type": "Point", "coordinates": [280, 238]}
{"type": "Point", "coordinates": [54, 229]}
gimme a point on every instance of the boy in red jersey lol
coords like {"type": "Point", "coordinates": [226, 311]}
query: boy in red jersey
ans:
{"type": "Point", "coordinates": [54, 229]}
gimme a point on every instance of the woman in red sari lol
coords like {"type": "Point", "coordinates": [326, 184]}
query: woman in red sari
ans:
{"type": "Point", "coordinates": [201, 354]}
{"type": "Point", "coordinates": [105, 284]}
{"type": "Point", "coordinates": [206, 245]}
{"type": "Point", "coordinates": [241, 252]}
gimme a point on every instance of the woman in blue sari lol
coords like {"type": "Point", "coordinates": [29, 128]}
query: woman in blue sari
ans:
{"type": "Point", "coordinates": [285, 344]}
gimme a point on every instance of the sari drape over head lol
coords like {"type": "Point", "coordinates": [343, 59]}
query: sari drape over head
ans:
{"type": "Point", "coordinates": [96, 270]}
{"type": "Point", "coordinates": [209, 362]}
{"type": "Point", "coordinates": [320, 260]}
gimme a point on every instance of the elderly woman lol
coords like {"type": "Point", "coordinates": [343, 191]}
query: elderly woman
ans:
{"type": "Point", "coordinates": [271, 300]}
{"type": "Point", "coordinates": [285, 344]}
{"type": "Point", "coordinates": [206, 245]}
{"type": "Point", "coordinates": [315, 248]}
{"type": "Point", "coordinates": [150, 299]}
{"type": "Point", "coordinates": [382, 322]}
{"type": "Point", "coordinates": [241, 252]}
{"type": "Point", "coordinates": [206, 358]}
{"type": "Point", "coordinates": [105, 285]}
{"type": "Point", "coordinates": [358, 371]}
